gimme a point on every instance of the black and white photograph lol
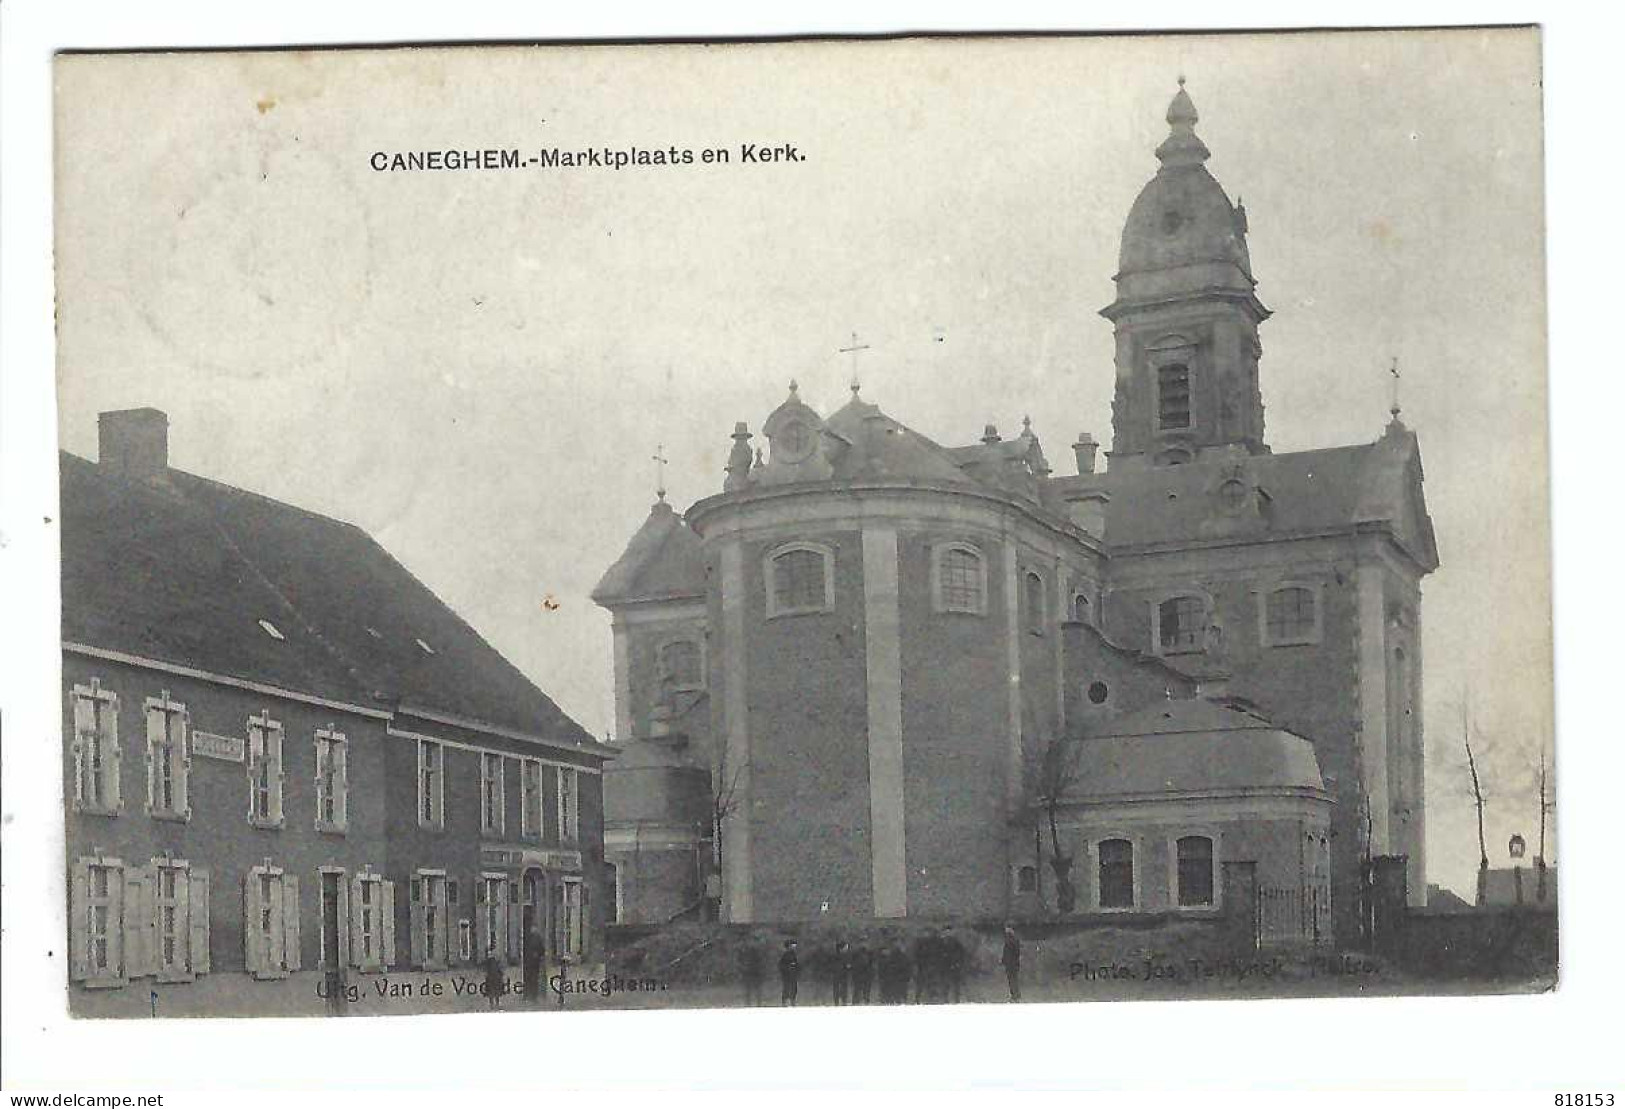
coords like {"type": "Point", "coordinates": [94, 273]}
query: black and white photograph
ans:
{"type": "Point", "coordinates": [919, 522]}
{"type": "Point", "coordinates": [953, 549]}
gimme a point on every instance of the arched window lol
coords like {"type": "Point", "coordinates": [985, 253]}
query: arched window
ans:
{"type": "Point", "coordinates": [1035, 603]}
{"type": "Point", "coordinates": [682, 665]}
{"type": "Point", "coordinates": [1173, 397]}
{"type": "Point", "coordinates": [1116, 879]}
{"type": "Point", "coordinates": [799, 579]}
{"type": "Point", "coordinates": [1181, 622]}
{"type": "Point", "coordinates": [960, 578]}
{"type": "Point", "coordinates": [1080, 607]}
{"type": "Point", "coordinates": [1027, 879]}
{"type": "Point", "coordinates": [1290, 616]}
{"type": "Point", "coordinates": [1194, 870]}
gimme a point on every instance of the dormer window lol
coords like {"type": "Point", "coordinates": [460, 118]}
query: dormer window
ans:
{"type": "Point", "coordinates": [800, 578]}
{"type": "Point", "coordinates": [1173, 397]}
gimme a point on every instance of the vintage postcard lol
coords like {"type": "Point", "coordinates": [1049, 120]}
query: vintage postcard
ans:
{"type": "Point", "coordinates": [872, 522]}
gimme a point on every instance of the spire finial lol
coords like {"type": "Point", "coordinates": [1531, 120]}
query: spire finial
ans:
{"type": "Point", "coordinates": [659, 459]}
{"type": "Point", "coordinates": [1393, 372]}
{"type": "Point", "coordinates": [1026, 425]}
{"type": "Point", "coordinates": [1182, 147]}
{"type": "Point", "coordinates": [854, 350]}
{"type": "Point", "coordinates": [793, 386]}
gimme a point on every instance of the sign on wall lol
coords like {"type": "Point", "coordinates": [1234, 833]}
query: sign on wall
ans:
{"type": "Point", "coordinates": [211, 746]}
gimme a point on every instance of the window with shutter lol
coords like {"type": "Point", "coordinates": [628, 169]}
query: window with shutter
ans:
{"type": "Point", "coordinates": [332, 786]}
{"type": "Point", "coordinates": [168, 760]}
{"type": "Point", "coordinates": [197, 908]}
{"type": "Point", "coordinates": [271, 935]}
{"type": "Point", "coordinates": [264, 771]}
{"type": "Point", "coordinates": [97, 904]}
{"type": "Point", "coordinates": [95, 749]}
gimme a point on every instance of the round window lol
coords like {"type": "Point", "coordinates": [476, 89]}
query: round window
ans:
{"type": "Point", "coordinates": [1098, 693]}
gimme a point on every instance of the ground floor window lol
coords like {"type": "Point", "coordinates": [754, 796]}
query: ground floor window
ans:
{"type": "Point", "coordinates": [1116, 874]}
{"type": "Point", "coordinates": [430, 920]}
{"type": "Point", "coordinates": [133, 921]}
{"type": "Point", "coordinates": [569, 917]}
{"type": "Point", "coordinates": [495, 917]}
{"type": "Point", "coordinates": [1194, 871]}
{"type": "Point", "coordinates": [270, 922]}
{"type": "Point", "coordinates": [372, 922]}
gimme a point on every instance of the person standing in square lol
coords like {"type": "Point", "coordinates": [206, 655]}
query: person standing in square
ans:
{"type": "Point", "coordinates": [1012, 960]}
{"type": "Point", "coordinates": [789, 974]}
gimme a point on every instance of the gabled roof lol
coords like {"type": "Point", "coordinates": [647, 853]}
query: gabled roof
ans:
{"type": "Point", "coordinates": [663, 561]}
{"type": "Point", "coordinates": [184, 569]}
{"type": "Point", "coordinates": [1193, 746]}
{"type": "Point", "coordinates": [1328, 489]}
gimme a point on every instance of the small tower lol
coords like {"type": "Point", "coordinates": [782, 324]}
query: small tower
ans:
{"type": "Point", "coordinates": [1186, 315]}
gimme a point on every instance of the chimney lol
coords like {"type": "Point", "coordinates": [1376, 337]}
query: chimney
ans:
{"type": "Point", "coordinates": [1085, 449]}
{"type": "Point", "coordinates": [134, 443]}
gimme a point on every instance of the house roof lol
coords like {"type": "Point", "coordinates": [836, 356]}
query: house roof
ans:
{"type": "Point", "coordinates": [1331, 488]}
{"type": "Point", "coordinates": [184, 570]}
{"type": "Point", "coordinates": [870, 444]}
{"type": "Point", "coordinates": [1193, 746]}
{"type": "Point", "coordinates": [663, 561]}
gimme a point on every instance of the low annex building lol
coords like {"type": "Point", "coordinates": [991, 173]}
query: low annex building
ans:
{"type": "Point", "coordinates": [284, 753]}
{"type": "Point", "coordinates": [878, 677]}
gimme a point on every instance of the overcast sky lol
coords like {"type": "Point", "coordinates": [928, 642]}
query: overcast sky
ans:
{"type": "Point", "coordinates": [477, 366]}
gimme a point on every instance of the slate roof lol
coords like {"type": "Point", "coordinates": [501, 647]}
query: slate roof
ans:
{"type": "Point", "coordinates": [183, 569]}
{"type": "Point", "coordinates": [1194, 745]}
{"type": "Point", "coordinates": [873, 445]}
{"type": "Point", "coordinates": [1328, 489]}
{"type": "Point", "coordinates": [663, 561]}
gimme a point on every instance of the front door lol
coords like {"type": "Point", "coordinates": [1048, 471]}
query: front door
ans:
{"type": "Point", "coordinates": [331, 946]}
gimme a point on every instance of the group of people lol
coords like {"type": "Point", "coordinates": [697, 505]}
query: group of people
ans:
{"type": "Point", "coordinates": [860, 973]}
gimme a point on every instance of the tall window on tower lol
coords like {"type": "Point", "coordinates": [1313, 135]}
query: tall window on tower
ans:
{"type": "Point", "coordinates": [1173, 397]}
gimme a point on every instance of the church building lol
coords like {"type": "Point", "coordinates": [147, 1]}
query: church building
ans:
{"type": "Point", "coordinates": [879, 677]}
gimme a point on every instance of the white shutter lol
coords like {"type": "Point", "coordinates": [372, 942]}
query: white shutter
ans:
{"type": "Point", "coordinates": [183, 771]}
{"type": "Point", "coordinates": [155, 740]}
{"type": "Point", "coordinates": [290, 922]}
{"type": "Point", "coordinates": [341, 783]}
{"type": "Point", "coordinates": [477, 953]}
{"type": "Point", "coordinates": [273, 744]}
{"type": "Point", "coordinates": [353, 924]}
{"type": "Point", "coordinates": [113, 757]}
{"type": "Point", "coordinates": [197, 900]}
{"type": "Point", "coordinates": [79, 919]}
{"type": "Point", "coordinates": [84, 723]}
{"type": "Point", "coordinates": [139, 913]}
{"type": "Point", "coordinates": [386, 930]}
{"type": "Point", "coordinates": [115, 922]}
{"type": "Point", "coordinates": [253, 938]}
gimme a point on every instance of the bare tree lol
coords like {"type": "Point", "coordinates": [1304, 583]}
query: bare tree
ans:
{"type": "Point", "coordinates": [1052, 771]}
{"type": "Point", "coordinates": [724, 800]}
{"type": "Point", "coordinates": [1478, 801]}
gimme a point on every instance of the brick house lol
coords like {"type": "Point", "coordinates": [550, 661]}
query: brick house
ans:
{"type": "Point", "coordinates": [284, 753]}
{"type": "Point", "coordinates": [868, 643]}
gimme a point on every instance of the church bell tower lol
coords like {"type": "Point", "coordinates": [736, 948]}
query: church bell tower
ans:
{"type": "Point", "coordinates": [1186, 316]}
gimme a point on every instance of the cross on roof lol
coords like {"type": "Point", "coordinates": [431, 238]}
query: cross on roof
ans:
{"type": "Point", "coordinates": [659, 459]}
{"type": "Point", "coordinates": [854, 350]}
{"type": "Point", "coordinates": [1393, 370]}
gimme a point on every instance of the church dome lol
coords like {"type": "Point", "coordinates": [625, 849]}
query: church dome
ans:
{"type": "Point", "coordinates": [1182, 218]}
